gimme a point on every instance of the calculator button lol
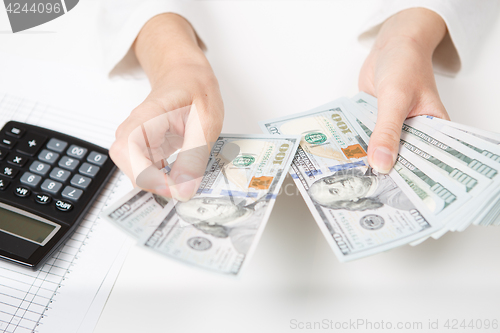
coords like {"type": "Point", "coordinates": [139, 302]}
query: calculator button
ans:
{"type": "Point", "coordinates": [96, 158]}
{"type": "Point", "coordinates": [30, 179]}
{"type": "Point", "coordinates": [31, 144]}
{"type": "Point", "coordinates": [59, 174]}
{"type": "Point", "coordinates": [80, 181]}
{"type": "Point", "coordinates": [48, 156]}
{"type": "Point", "coordinates": [88, 170]}
{"type": "Point", "coordinates": [71, 193]}
{"type": "Point", "coordinates": [3, 154]}
{"type": "Point", "coordinates": [63, 205]}
{"type": "Point", "coordinates": [68, 163]}
{"type": "Point", "coordinates": [8, 171]}
{"type": "Point", "coordinates": [3, 184]}
{"type": "Point", "coordinates": [17, 160]}
{"type": "Point", "coordinates": [22, 192]}
{"type": "Point", "coordinates": [76, 151]}
{"type": "Point", "coordinates": [7, 143]}
{"type": "Point", "coordinates": [43, 199]}
{"type": "Point", "coordinates": [15, 131]}
{"type": "Point", "coordinates": [57, 145]}
{"type": "Point", "coordinates": [39, 168]}
{"type": "Point", "coordinates": [51, 186]}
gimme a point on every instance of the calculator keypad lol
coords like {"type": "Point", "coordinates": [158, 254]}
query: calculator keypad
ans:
{"type": "Point", "coordinates": [55, 167]}
{"type": "Point", "coordinates": [48, 175]}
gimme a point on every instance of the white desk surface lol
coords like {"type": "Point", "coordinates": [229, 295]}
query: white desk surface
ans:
{"type": "Point", "coordinates": [274, 58]}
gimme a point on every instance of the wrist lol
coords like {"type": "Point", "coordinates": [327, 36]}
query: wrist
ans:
{"type": "Point", "coordinates": [420, 27]}
{"type": "Point", "coordinates": [165, 42]}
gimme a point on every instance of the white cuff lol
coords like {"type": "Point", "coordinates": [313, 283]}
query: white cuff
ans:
{"type": "Point", "coordinates": [452, 52]}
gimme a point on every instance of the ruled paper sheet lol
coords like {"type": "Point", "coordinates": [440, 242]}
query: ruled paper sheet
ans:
{"type": "Point", "coordinates": [67, 294]}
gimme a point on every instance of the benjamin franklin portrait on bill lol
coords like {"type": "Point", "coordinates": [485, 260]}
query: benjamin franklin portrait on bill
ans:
{"type": "Point", "coordinates": [221, 217]}
{"type": "Point", "coordinates": [354, 189]}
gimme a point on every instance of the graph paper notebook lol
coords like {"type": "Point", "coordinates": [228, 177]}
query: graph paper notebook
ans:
{"type": "Point", "coordinates": [58, 297]}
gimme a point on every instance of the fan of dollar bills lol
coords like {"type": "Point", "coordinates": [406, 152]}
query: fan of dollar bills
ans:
{"type": "Point", "coordinates": [445, 179]}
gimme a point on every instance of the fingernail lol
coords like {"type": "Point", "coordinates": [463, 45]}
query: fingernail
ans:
{"type": "Point", "coordinates": [382, 160]}
{"type": "Point", "coordinates": [184, 188]}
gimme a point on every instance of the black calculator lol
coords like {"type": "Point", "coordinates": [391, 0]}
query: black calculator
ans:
{"type": "Point", "coordinates": [48, 182]}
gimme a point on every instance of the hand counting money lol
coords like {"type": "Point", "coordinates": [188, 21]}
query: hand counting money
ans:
{"type": "Point", "coordinates": [219, 227]}
{"type": "Point", "coordinates": [456, 153]}
{"type": "Point", "coordinates": [359, 212]}
{"type": "Point", "coordinates": [446, 177]}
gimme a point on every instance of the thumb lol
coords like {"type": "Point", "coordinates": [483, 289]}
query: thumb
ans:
{"type": "Point", "coordinates": [383, 147]}
{"type": "Point", "coordinates": [189, 167]}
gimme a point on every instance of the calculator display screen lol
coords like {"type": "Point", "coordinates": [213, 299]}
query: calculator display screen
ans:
{"type": "Point", "coordinates": [25, 227]}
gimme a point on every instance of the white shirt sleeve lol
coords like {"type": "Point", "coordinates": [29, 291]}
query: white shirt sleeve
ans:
{"type": "Point", "coordinates": [467, 21]}
{"type": "Point", "coordinates": [121, 21]}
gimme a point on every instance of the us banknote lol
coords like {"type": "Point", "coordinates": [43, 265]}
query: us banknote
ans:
{"type": "Point", "coordinates": [220, 226]}
{"type": "Point", "coordinates": [359, 211]}
{"type": "Point", "coordinates": [431, 171]}
{"type": "Point", "coordinates": [469, 155]}
{"type": "Point", "coordinates": [432, 166]}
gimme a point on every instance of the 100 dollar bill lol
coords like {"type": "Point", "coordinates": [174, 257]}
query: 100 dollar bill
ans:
{"type": "Point", "coordinates": [462, 156]}
{"type": "Point", "coordinates": [219, 227]}
{"type": "Point", "coordinates": [427, 168]}
{"type": "Point", "coordinates": [359, 211]}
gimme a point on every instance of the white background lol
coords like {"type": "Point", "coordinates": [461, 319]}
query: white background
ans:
{"type": "Point", "coordinates": [274, 58]}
